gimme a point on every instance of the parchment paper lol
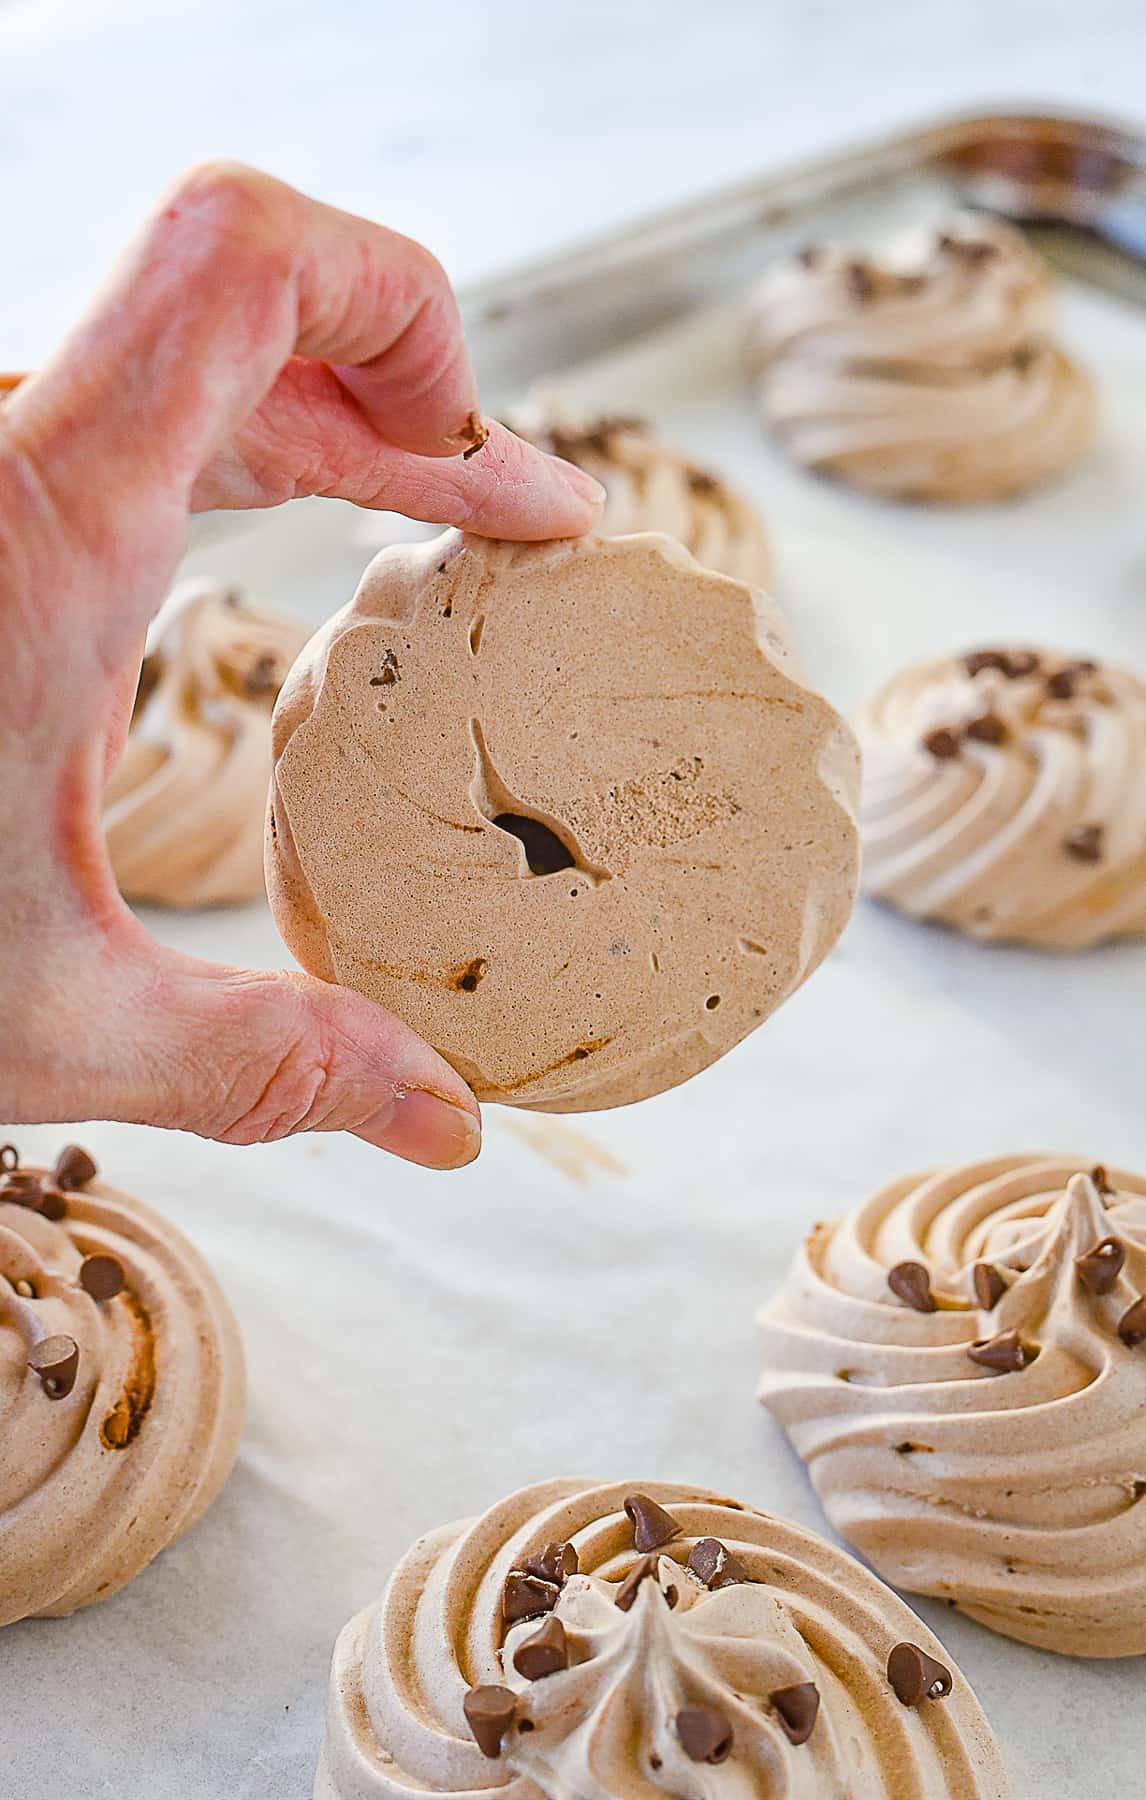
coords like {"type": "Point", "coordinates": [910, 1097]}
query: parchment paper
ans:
{"type": "Point", "coordinates": [581, 1300]}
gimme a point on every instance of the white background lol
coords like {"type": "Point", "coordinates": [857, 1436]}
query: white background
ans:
{"type": "Point", "coordinates": [419, 1345]}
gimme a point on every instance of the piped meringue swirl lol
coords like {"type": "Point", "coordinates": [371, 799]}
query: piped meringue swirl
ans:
{"type": "Point", "coordinates": [961, 1362]}
{"type": "Point", "coordinates": [615, 1720]}
{"type": "Point", "coordinates": [1004, 793]}
{"type": "Point", "coordinates": [183, 813]}
{"type": "Point", "coordinates": [927, 372]}
{"type": "Point", "coordinates": [652, 487]}
{"type": "Point", "coordinates": [101, 1471]}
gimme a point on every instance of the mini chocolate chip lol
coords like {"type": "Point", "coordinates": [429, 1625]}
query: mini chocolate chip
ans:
{"type": "Point", "coordinates": [941, 744]}
{"type": "Point", "coordinates": [101, 1277]}
{"type": "Point", "coordinates": [652, 1525]}
{"type": "Point", "coordinates": [1101, 1266]}
{"type": "Point", "coordinates": [545, 1653]}
{"type": "Point", "coordinates": [915, 1676]}
{"type": "Point", "coordinates": [978, 660]}
{"type": "Point", "coordinates": [705, 1734]}
{"type": "Point", "coordinates": [1063, 684]}
{"type": "Point", "coordinates": [861, 283]}
{"type": "Point", "coordinates": [1017, 663]}
{"type": "Point", "coordinates": [715, 1564]}
{"type": "Point", "coordinates": [910, 1282]}
{"type": "Point", "coordinates": [555, 1563]}
{"type": "Point", "coordinates": [489, 1714]}
{"type": "Point", "coordinates": [56, 1361]}
{"type": "Point", "coordinates": [74, 1168]}
{"type": "Point", "coordinates": [810, 256]}
{"type": "Point", "coordinates": [263, 676]}
{"type": "Point", "coordinates": [52, 1204]}
{"type": "Point", "coordinates": [1084, 843]}
{"type": "Point", "coordinates": [989, 1285]}
{"type": "Point", "coordinates": [988, 728]}
{"type": "Point", "coordinates": [1132, 1325]}
{"type": "Point", "coordinates": [907, 1448]}
{"type": "Point", "coordinates": [644, 1569]}
{"type": "Point", "coordinates": [21, 1188]}
{"type": "Point", "coordinates": [526, 1596]}
{"type": "Point", "coordinates": [1005, 1354]}
{"type": "Point", "coordinates": [9, 1158]}
{"type": "Point", "coordinates": [1101, 1179]}
{"type": "Point", "coordinates": [797, 1706]}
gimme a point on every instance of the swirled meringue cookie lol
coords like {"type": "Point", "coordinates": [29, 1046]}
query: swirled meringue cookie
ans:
{"type": "Point", "coordinates": [1005, 794]}
{"type": "Point", "coordinates": [651, 487]}
{"type": "Point", "coordinates": [961, 1362]}
{"type": "Point", "coordinates": [183, 814]}
{"type": "Point", "coordinates": [121, 1387]}
{"type": "Point", "coordinates": [563, 808]}
{"type": "Point", "coordinates": [926, 373]}
{"type": "Point", "coordinates": [581, 1642]}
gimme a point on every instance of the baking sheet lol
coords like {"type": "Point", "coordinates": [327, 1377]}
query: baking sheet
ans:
{"type": "Point", "coordinates": [581, 1300]}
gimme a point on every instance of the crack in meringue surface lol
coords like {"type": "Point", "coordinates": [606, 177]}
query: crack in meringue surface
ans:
{"type": "Point", "coordinates": [183, 812]}
{"type": "Point", "coordinates": [607, 1725]}
{"type": "Point", "coordinates": [1018, 1495]}
{"type": "Point", "coordinates": [96, 1483]}
{"type": "Point", "coordinates": [1039, 837]}
{"type": "Point", "coordinates": [927, 372]}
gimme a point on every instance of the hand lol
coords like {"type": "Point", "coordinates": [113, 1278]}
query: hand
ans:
{"type": "Point", "coordinates": [251, 346]}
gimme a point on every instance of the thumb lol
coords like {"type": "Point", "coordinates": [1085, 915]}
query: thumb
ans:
{"type": "Point", "coordinates": [247, 1057]}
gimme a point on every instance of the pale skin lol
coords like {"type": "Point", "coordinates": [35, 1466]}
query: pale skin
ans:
{"type": "Point", "coordinates": [251, 346]}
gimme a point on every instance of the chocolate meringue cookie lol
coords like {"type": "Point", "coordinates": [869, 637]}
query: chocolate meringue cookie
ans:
{"type": "Point", "coordinates": [928, 372]}
{"type": "Point", "coordinates": [651, 487]}
{"type": "Point", "coordinates": [561, 809]}
{"type": "Point", "coordinates": [1004, 793]}
{"type": "Point", "coordinates": [583, 1641]}
{"type": "Point", "coordinates": [961, 1362]}
{"type": "Point", "coordinates": [121, 1387]}
{"type": "Point", "coordinates": [183, 813]}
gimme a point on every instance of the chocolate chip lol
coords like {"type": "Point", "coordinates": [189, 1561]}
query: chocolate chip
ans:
{"type": "Point", "coordinates": [715, 1564]}
{"type": "Point", "coordinates": [915, 1676]}
{"type": "Point", "coordinates": [545, 1653]}
{"type": "Point", "coordinates": [705, 1734]}
{"type": "Point", "coordinates": [101, 1277]}
{"type": "Point", "coordinates": [20, 1188]}
{"type": "Point", "coordinates": [1017, 663]}
{"type": "Point", "coordinates": [941, 743]}
{"type": "Point", "coordinates": [555, 1563]}
{"type": "Point", "coordinates": [1005, 1354]}
{"type": "Point", "coordinates": [526, 1596]}
{"type": "Point", "coordinates": [56, 1361]}
{"type": "Point", "coordinates": [1132, 1325]}
{"type": "Point", "coordinates": [644, 1569]}
{"type": "Point", "coordinates": [910, 1282]}
{"type": "Point", "coordinates": [988, 728]}
{"type": "Point", "coordinates": [797, 1706]}
{"type": "Point", "coordinates": [74, 1168]}
{"type": "Point", "coordinates": [489, 1714]}
{"type": "Point", "coordinates": [263, 675]}
{"type": "Point", "coordinates": [810, 256]}
{"type": "Point", "coordinates": [1063, 684]}
{"type": "Point", "coordinates": [861, 282]}
{"type": "Point", "coordinates": [9, 1158]}
{"type": "Point", "coordinates": [52, 1204]}
{"type": "Point", "coordinates": [978, 660]}
{"type": "Point", "coordinates": [1084, 843]}
{"type": "Point", "coordinates": [1101, 1266]}
{"type": "Point", "coordinates": [1101, 1179]}
{"type": "Point", "coordinates": [989, 1285]}
{"type": "Point", "coordinates": [652, 1525]}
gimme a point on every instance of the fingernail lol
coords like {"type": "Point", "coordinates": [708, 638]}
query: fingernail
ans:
{"type": "Point", "coordinates": [582, 484]}
{"type": "Point", "coordinates": [424, 1129]}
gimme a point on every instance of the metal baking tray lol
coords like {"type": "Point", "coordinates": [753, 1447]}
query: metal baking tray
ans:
{"type": "Point", "coordinates": [616, 1261]}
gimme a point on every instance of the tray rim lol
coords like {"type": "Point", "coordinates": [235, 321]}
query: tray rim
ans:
{"type": "Point", "coordinates": [778, 187]}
